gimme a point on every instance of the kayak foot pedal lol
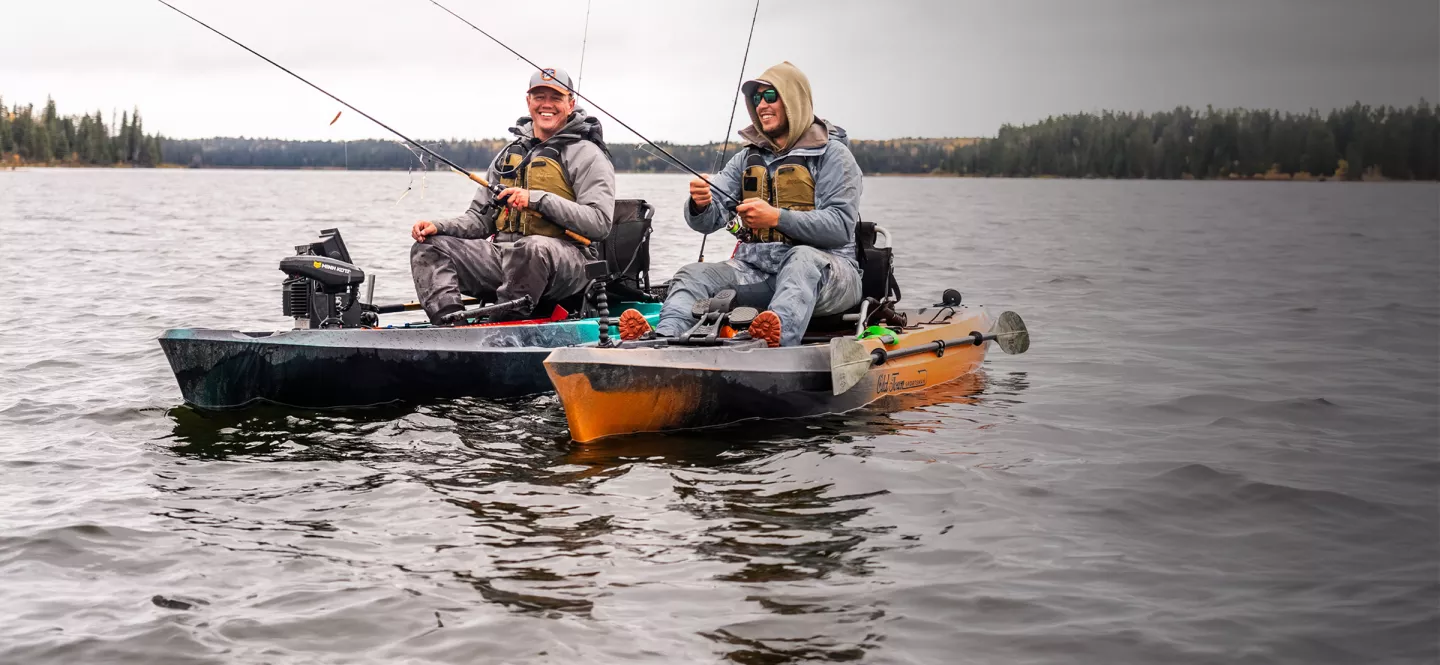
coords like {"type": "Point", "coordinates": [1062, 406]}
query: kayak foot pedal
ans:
{"type": "Point", "coordinates": [716, 319]}
{"type": "Point", "coordinates": [704, 333]}
{"type": "Point", "coordinates": [740, 317]}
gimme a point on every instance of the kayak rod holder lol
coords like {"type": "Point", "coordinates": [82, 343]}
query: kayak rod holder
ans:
{"type": "Point", "coordinates": [459, 318]}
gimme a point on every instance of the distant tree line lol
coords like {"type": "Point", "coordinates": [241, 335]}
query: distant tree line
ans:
{"type": "Point", "coordinates": [46, 137]}
{"type": "Point", "coordinates": [1352, 143]}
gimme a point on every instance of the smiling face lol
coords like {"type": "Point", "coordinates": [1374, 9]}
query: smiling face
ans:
{"type": "Point", "coordinates": [549, 109]}
{"type": "Point", "coordinates": [772, 116]}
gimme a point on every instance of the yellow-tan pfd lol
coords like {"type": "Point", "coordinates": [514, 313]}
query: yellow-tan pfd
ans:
{"type": "Point", "coordinates": [539, 169]}
{"type": "Point", "coordinates": [785, 183]}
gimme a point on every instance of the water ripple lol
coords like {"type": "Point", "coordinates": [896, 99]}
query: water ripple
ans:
{"type": "Point", "coordinates": [1215, 451]}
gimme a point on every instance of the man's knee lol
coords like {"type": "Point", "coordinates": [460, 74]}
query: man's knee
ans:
{"type": "Point", "coordinates": [533, 246]}
{"type": "Point", "coordinates": [432, 246]}
{"type": "Point", "coordinates": [423, 253]}
{"type": "Point", "coordinates": [690, 272]}
{"type": "Point", "coordinates": [808, 256]}
{"type": "Point", "coordinates": [805, 263]}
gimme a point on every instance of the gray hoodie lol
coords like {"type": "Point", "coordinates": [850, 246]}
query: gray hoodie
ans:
{"type": "Point", "coordinates": [591, 176]}
{"type": "Point", "coordinates": [838, 181]}
{"type": "Point", "coordinates": [830, 226]}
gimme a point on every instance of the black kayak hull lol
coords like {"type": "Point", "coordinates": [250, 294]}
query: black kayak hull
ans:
{"type": "Point", "coordinates": [338, 368]}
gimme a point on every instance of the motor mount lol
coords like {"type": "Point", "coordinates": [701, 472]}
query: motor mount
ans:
{"type": "Point", "coordinates": [322, 289]}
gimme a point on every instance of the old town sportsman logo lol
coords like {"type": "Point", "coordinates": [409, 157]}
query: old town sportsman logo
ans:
{"type": "Point", "coordinates": [889, 383]}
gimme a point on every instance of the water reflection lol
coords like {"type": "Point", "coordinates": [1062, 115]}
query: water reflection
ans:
{"type": "Point", "coordinates": [495, 427]}
{"type": "Point", "coordinates": [492, 496]}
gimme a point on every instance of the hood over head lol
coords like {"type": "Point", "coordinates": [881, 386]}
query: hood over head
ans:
{"type": "Point", "coordinates": [794, 89]}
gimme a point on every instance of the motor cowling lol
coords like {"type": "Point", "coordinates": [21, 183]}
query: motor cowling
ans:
{"type": "Point", "coordinates": [333, 275]}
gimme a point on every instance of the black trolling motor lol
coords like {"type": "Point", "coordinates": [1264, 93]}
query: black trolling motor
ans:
{"type": "Point", "coordinates": [322, 290]}
{"type": "Point", "coordinates": [322, 287]}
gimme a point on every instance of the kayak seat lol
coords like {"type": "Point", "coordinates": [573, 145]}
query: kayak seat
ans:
{"type": "Point", "coordinates": [877, 265]}
{"type": "Point", "coordinates": [877, 276]}
{"type": "Point", "coordinates": [626, 252]}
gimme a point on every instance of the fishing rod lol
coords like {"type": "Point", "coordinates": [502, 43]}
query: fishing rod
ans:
{"type": "Point", "coordinates": [495, 189]}
{"type": "Point", "coordinates": [597, 107]}
{"type": "Point", "coordinates": [584, 39]}
{"type": "Point", "coordinates": [734, 102]}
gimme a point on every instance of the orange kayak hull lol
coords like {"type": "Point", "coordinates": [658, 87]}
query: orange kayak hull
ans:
{"type": "Point", "coordinates": [618, 391]}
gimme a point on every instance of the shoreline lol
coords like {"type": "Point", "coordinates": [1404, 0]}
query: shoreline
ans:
{"type": "Point", "coordinates": [1278, 177]}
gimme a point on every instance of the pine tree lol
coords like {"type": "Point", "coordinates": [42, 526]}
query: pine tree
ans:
{"type": "Point", "coordinates": [59, 141]}
{"type": "Point", "coordinates": [1139, 149]}
{"type": "Point", "coordinates": [40, 144]}
{"type": "Point", "coordinates": [122, 140]}
{"type": "Point", "coordinates": [1320, 151]}
{"type": "Point", "coordinates": [132, 149]}
{"type": "Point", "coordinates": [21, 129]}
{"type": "Point", "coordinates": [55, 146]}
{"type": "Point", "coordinates": [7, 142]}
{"type": "Point", "coordinates": [100, 151]}
{"type": "Point", "coordinates": [149, 152]}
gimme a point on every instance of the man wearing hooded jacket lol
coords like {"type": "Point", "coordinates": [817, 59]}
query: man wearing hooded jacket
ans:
{"type": "Point", "coordinates": [558, 178]}
{"type": "Point", "coordinates": [800, 191]}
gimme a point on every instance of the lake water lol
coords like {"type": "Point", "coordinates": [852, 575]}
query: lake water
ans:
{"type": "Point", "coordinates": [1221, 448]}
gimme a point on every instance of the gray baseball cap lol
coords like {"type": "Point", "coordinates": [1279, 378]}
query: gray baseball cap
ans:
{"type": "Point", "coordinates": [551, 77]}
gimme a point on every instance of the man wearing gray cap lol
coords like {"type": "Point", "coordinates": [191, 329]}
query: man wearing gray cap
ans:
{"type": "Point", "coordinates": [559, 183]}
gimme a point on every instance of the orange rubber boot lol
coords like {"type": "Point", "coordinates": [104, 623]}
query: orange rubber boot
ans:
{"type": "Point", "coordinates": [766, 326]}
{"type": "Point", "coordinates": [633, 325]}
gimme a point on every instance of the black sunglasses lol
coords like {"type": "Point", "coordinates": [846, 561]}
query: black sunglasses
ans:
{"type": "Point", "coordinates": [769, 96]}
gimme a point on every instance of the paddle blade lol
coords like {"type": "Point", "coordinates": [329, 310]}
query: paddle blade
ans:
{"type": "Point", "coordinates": [1010, 333]}
{"type": "Point", "coordinates": [849, 363]}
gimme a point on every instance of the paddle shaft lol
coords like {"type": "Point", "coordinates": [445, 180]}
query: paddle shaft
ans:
{"type": "Point", "coordinates": [881, 356]}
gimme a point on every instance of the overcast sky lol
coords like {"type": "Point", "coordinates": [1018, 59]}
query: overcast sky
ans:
{"type": "Point", "coordinates": [880, 69]}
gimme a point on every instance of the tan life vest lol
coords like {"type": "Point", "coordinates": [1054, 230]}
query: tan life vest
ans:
{"type": "Point", "coordinates": [784, 183]}
{"type": "Point", "coordinates": [542, 170]}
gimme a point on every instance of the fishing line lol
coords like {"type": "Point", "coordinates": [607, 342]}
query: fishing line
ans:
{"type": "Point", "coordinates": [585, 39]}
{"type": "Point", "coordinates": [575, 92]}
{"type": "Point", "coordinates": [410, 171]}
{"type": "Point", "coordinates": [344, 143]}
{"type": "Point", "coordinates": [734, 102]}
